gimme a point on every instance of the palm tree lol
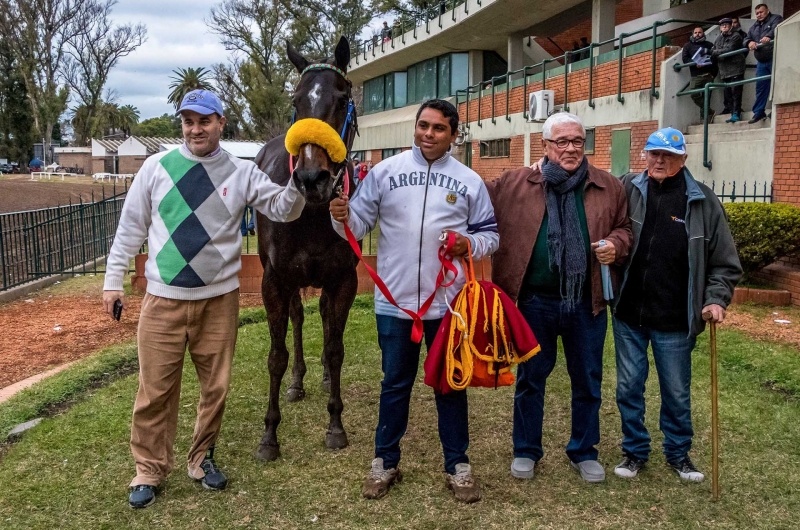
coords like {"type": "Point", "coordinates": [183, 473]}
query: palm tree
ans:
{"type": "Point", "coordinates": [186, 80]}
{"type": "Point", "coordinates": [128, 117]}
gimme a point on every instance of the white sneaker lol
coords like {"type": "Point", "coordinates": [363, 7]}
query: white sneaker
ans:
{"type": "Point", "coordinates": [590, 470]}
{"type": "Point", "coordinates": [686, 470]}
{"type": "Point", "coordinates": [629, 467]}
{"type": "Point", "coordinates": [522, 468]}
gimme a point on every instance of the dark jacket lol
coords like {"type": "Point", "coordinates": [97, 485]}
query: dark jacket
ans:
{"type": "Point", "coordinates": [714, 267]}
{"type": "Point", "coordinates": [758, 31]}
{"type": "Point", "coordinates": [733, 65]}
{"type": "Point", "coordinates": [519, 203]}
{"type": "Point", "coordinates": [689, 49]}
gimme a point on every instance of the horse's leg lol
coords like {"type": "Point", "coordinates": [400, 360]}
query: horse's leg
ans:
{"type": "Point", "coordinates": [276, 302]}
{"type": "Point", "coordinates": [295, 391]}
{"type": "Point", "coordinates": [334, 306]}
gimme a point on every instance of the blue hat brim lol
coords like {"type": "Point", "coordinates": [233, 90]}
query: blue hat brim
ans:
{"type": "Point", "coordinates": [198, 109]}
{"type": "Point", "coordinates": [674, 150]}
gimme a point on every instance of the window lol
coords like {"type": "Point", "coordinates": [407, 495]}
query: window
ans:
{"type": "Point", "coordinates": [386, 153]}
{"type": "Point", "coordinates": [589, 147]}
{"type": "Point", "coordinates": [443, 89]}
{"type": "Point", "coordinates": [496, 148]}
{"type": "Point", "coordinates": [374, 96]}
{"type": "Point", "coordinates": [361, 155]}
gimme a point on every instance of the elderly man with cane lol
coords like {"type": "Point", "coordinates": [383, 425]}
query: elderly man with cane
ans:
{"type": "Point", "coordinates": [681, 273]}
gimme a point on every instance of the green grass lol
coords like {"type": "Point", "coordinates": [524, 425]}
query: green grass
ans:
{"type": "Point", "coordinates": [72, 471]}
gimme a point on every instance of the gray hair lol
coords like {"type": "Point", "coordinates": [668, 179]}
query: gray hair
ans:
{"type": "Point", "coordinates": [560, 118]}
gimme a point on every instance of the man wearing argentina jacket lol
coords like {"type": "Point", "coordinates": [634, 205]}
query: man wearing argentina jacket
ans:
{"type": "Point", "coordinates": [418, 195]}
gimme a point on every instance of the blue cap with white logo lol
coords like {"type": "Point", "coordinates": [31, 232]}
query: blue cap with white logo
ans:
{"type": "Point", "coordinates": [667, 139]}
{"type": "Point", "coordinates": [202, 102]}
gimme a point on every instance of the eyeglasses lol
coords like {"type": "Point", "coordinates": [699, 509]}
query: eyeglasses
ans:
{"type": "Point", "coordinates": [577, 143]}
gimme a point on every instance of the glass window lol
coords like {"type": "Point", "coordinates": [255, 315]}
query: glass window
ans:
{"type": "Point", "coordinates": [386, 153]}
{"type": "Point", "coordinates": [388, 96]}
{"type": "Point", "coordinates": [400, 89]}
{"type": "Point", "coordinates": [589, 146]}
{"type": "Point", "coordinates": [493, 65]}
{"type": "Point", "coordinates": [459, 70]}
{"type": "Point", "coordinates": [411, 84]}
{"type": "Point", "coordinates": [374, 95]}
{"type": "Point", "coordinates": [443, 89]}
{"type": "Point", "coordinates": [496, 148]}
{"type": "Point", "coordinates": [426, 80]}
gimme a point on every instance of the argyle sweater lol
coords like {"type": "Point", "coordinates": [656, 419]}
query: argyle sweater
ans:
{"type": "Point", "coordinates": [190, 209]}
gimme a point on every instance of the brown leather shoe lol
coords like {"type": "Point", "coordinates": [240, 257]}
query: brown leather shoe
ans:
{"type": "Point", "coordinates": [379, 480]}
{"type": "Point", "coordinates": [465, 488]}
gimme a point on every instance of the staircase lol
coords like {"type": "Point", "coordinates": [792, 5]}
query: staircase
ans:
{"type": "Point", "coordinates": [740, 153]}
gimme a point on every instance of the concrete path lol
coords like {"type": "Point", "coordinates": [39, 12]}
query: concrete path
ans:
{"type": "Point", "coordinates": [9, 391]}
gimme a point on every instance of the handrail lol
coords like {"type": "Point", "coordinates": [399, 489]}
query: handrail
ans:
{"type": "Point", "coordinates": [706, 90]}
{"type": "Point", "coordinates": [619, 41]}
{"type": "Point", "coordinates": [742, 51]}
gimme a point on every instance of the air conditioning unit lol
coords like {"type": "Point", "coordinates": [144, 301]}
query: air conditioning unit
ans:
{"type": "Point", "coordinates": [540, 105]}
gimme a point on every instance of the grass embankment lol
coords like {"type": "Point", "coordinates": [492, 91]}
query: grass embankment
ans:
{"type": "Point", "coordinates": [72, 471]}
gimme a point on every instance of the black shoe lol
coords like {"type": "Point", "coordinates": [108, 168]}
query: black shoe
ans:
{"type": "Point", "coordinates": [757, 118]}
{"type": "Point", "coordinates": [686, 469]}
{"type": "Point", "coordinates": [142, 496]}
{"type": "Point", "coordinates": [629, 467]}
{"type": "Point", "coordinates": [214, 479]}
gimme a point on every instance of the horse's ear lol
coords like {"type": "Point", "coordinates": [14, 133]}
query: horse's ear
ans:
{"type": "Point", "coordinates": [297, 60]}
{"type": "Point", "coordinates": [342, 54]}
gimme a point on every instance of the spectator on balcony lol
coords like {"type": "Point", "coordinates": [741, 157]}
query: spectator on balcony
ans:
{"type": "Point", "coordinates": [681, 274]}
{"type": "Point", "coordinates": [703, 72]}
{"type": "Point", "coordinates": [386, 32]}
{"type": "Point", "coordinates": [760, 39]}
{"type": "Point", "coordinates": [731, 68]}
{"type": "Point", "coordinates": [736, 27]}
{"type": "Point", "coordinates": [551, 220]}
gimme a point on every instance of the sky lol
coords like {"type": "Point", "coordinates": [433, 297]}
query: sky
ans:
{"type": "Point", "coordinates": [177, 37]}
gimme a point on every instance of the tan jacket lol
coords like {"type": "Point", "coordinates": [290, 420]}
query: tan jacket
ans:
{"type": "Point", "coordinates": [519, 206]}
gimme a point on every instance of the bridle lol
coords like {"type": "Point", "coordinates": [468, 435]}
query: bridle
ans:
{"type": "Point", "coordinates": [349, 128]}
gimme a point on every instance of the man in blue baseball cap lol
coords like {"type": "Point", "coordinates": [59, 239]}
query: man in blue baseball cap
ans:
{"type": "Point", "coordinates": [188, 204]}
{"type": "Point", "coordinates": [681, 272]}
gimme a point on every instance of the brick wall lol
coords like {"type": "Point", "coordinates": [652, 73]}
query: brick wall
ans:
{"type": "Point", "coordinates": [102, 165]}
{"type": "Point", "coordinates": [377, 156]}
{"type": "Point", "coordinates": [625, 11]}
{"type": "Point", "coordinates": [489, 168]}
{"type": "Point", "coordinates": [130, 164]}
{"type": "Point", "coordinates": [81, 160]}
{"type": "Point", "coordinates": [602, 144]}
{"type": "Point", "coordinates": [635, 76]}
{"type": "Point", "coordinates": [786, 168]}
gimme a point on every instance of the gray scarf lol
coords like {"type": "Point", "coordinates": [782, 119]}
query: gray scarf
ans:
{"type": "Point", "coordinates": [565, 244]}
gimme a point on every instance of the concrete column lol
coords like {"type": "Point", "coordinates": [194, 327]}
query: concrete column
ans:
{"type": "Point", "coordinates": [775, 6]}
{"type": "Point", "coordinates": [516, 55]}
{"type": "Point", "coordinates": [603, 22]}
{"type": "Point", "coordinates": [475, 66]}
{"type": "Point", "coordinates": [650, 7]}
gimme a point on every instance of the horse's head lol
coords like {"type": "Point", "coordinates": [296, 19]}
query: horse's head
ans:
{"type": "Point", "coordinates": [324, 94]}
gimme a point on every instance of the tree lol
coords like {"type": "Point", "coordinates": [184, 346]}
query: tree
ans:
{"type": "Point", "coordinates": [38, 33]}
{"type": "Point", "coordinates": [186, 80]}
{"type": "Point", "coordinates": [91, 54]}
{"type": "Point", "coordinates": [128, 117]}
{"type": "Point", "coordinates": [16, 133]}
{"type": "Point", "coordinates": [164, 126]}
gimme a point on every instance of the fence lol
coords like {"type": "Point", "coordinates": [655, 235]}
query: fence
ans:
{"type": "Point", "coordinates": [49, 241]}
{"type": "Point", "coordinates": [758, 193]}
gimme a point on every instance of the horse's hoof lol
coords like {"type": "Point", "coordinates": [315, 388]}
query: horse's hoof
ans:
{"type": "Point", "coordinates": [336, 440]}
{"type": "Point", "coordinates": [295, 394]}
{"type": "Point", "coordinates": [268, 453]}
{"type": "Point", "coordinates": [326, 386]}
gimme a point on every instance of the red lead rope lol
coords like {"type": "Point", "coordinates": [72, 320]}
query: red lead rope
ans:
{"type": "Point", "coordinates": [444, 258]}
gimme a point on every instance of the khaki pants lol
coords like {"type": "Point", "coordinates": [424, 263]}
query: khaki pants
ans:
{"type": "Point", "coordinates": [166, 327]}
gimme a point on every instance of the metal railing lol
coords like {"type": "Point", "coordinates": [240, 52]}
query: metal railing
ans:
{"type": "Point", "coordinates": [37, 243]}
{"type": "Point", "coordinates": [743, 51]}
{"type": "Point", "coordinates": [730, 194]}
{"type": "Point", "coordinates": [619, 43]}
{"type": "Point", "coordinates": [706, 91]}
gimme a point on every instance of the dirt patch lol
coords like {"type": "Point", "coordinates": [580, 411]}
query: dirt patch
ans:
{"type": "Point", "coordinates": [48, 330]}
{"type": "Point", "coordinates": [19, 193]}
{"type": "Point", "coordinates": [760, 323]}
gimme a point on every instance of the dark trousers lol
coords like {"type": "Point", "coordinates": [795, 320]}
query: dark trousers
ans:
{"type": "Point", "coordinates": [733, 95]}
{"type": "Point", "coordinates": [700, 81]}
{"type": "Point", "coordinates": [400, 361]}
{"type": "Point", "coordinates": [583, 336]}
{"type": "Point", "coordinates": [762, 88]}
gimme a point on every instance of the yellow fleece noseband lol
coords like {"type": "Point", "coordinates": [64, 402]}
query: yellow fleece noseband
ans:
{"type": "Point", "coordinates": [317, 132]}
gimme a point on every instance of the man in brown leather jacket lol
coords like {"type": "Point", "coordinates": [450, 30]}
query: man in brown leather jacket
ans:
{"type": "Point", "coordinates": [551, 222]}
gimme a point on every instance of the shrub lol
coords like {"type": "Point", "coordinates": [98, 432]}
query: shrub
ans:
{"type": "Point", "coordinates": [763, 232]}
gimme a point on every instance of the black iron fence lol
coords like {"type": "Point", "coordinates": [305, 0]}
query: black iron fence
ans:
{"type": "Point", "coordinates": [74, 237]}
{"type": "Point", "coordinates": [754, 192]}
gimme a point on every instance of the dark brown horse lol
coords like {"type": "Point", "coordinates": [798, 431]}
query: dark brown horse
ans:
{"type": "Point", "coordinates": [307, 252]}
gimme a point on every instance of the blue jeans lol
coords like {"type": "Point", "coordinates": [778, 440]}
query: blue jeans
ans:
{"type": "Point", "coordinates": [583, 336]}
{"type": "Point", "coordinates": [399, 362]}
{"type": "Point", "coordinates": [672, 352]}
{"type": "Point", "coordinates": [762, 88]}
{"type": "Point", "coordinates": [245, 224]}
